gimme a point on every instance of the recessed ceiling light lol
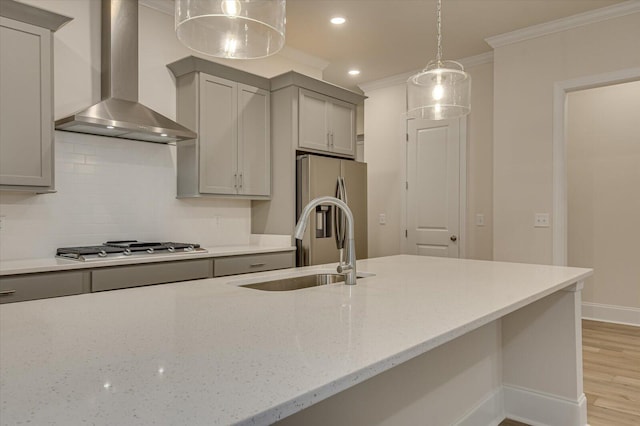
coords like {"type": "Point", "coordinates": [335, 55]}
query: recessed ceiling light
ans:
{"type": "Point", "coordinates": [354, 72]}
{"type": "Point", "coordinates": [164, 135]}
{"type": "Point", "coordinates": [109, 127]}
{"type": "Point", "coordinates": [338, 20]}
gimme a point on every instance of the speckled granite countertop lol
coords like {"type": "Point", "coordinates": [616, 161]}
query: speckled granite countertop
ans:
{"type": "Point", "coordinates": [207, 352]}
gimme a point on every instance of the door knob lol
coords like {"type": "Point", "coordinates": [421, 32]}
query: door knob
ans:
{"type": "Point", "coordinates": [454, 238]}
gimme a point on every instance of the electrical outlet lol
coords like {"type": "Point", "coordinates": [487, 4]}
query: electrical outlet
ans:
{"type": "Point", "coordinates": [382, 219]}
{"type": "Point", "coordinates": [479, 219]}
{"type": "Point", "coordinates": [541, 220]}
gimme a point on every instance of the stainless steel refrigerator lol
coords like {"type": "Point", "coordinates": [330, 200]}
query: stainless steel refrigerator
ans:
{"type": "Point", "coordinates": [324, 238]}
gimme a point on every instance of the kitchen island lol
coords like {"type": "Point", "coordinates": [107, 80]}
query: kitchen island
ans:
{"type": "Point", "coordinates": [424, 341]}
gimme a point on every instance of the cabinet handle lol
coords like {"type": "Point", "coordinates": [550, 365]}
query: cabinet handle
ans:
{"type": "Point", "coordinates": [235, 181]}
{"type": "Point", "coordinates": [6, 292]}
{"type": "Point", "coordinates": [332, 142]}
{"type": "Point", "coordinates": [255, 265]}
{"type": "Point", "coordinates": [328, 138]}
{"type": "Point", "coordinates": [240, 180]}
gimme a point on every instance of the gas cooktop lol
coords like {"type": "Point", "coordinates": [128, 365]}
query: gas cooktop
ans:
{"type": "Point", "coordinates": [126, 249]}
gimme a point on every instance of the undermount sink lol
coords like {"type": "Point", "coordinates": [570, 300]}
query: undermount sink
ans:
{"type": "Point", "coordinates": [300, 282]}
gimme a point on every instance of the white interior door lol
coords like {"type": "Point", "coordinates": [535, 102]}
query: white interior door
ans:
{"type": "Point", "coordinates": [433, 194]}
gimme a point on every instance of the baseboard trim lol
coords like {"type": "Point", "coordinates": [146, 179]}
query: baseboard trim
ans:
{"type": "Point", "coordinates": [611, 313]}
{"type": "Point", "coordinates": [540, 409]}
{"type": "Point", "coordinates": [489, 412]}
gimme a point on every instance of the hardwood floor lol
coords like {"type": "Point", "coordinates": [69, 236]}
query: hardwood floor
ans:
{"type": "Point", "coordinates": [611, 356]}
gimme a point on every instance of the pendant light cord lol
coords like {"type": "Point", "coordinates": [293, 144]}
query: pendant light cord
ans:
{"type": "Point", "coordinates": [439, 23]}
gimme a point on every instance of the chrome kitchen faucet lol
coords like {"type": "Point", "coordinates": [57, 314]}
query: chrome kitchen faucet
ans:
{"type": "Point", "coordinates": [349, 269]}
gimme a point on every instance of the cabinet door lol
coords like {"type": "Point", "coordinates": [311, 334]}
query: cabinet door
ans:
{"type": "Point", "coordinates": [254, 141]}
{"type": "Point", "coordinates": [313, 121]}
{"type": "Point", "coordinates": [217, 136]}
{"type": "Point", "coordinates": [116, 277]}
{"type": "Point", "coordinates": [17, 288]}
{"type": "Point", "coordinates": [26, 117]}
{"type": "Point", "coordinates": [245, 264]}
{"type": "Point", "coordinates": [343, 130]}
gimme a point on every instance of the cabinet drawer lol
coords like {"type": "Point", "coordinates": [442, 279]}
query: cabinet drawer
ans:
{"type": "Point", "coordinates": [252, 263]}
{"type": "Point", "coordinates": [156, 273]}
{"type": "Point", "coordinates": [17, 288]}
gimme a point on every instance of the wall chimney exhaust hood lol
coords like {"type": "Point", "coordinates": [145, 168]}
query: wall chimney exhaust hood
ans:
{"type": "Point", "coordinates": [119, 114]}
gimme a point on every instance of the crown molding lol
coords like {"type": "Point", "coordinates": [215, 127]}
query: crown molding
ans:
{"type": "Point", "coordinates": [394, 80]}
{"type": "Point", "coordinates": [586, 18]}
{"type": "Point", "coordinates": [475, 60]}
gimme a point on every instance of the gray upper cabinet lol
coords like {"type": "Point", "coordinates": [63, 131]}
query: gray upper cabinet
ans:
{"type": "Point", "coordinates": [306, 115]}
{"type": "Point", "coordinates": [325, 114]}
{"type": "Point", "coordinates": [230, 111]}
{"type": "Point", "coordinates": [26, 104]}
{"type": "Point", "coordinates": [326, 124]}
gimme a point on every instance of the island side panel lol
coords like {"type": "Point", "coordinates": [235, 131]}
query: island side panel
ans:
{"type": "Point", "coordinates": [456, 383]}
{"type": "Point", "coordinates": [542, 361]}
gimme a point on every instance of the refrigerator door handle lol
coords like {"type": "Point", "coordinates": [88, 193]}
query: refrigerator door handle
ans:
{"type": "Point", "coordinates": [340, 218]}
{"type": "Point", "coordinates": [337, 217]}
{"type": "Point", "coordinates": [343, 217]}
{"type": "Point", "coordinates": [344, 191]}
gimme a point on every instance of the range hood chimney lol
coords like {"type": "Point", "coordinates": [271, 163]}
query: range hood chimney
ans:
{"type": "Point", "coordinates": [119, 114]}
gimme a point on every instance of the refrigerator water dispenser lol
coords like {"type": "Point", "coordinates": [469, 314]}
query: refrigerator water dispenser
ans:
{"type": "Point", "coordinates": [324, 221]}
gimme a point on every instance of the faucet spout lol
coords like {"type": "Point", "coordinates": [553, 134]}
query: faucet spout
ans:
{"type": "Point", "coordinates": [349, 269]}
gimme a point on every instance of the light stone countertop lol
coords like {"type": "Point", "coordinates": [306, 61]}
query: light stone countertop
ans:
{"type": "Point", "coordinates": [257, 244]}
{"type": "Point", "coordinates": [207, 352]}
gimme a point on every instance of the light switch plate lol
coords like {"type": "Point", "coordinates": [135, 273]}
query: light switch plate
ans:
{"type": "Point", "coordinates": [479, 219]}
{"type": "Point", "coordinates": [382, 219]}
{"type": "Point", "coordinates": [541, 220]}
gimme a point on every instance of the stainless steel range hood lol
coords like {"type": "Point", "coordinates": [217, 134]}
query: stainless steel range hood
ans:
{"type": "Point", "coordinates": [119, 114]}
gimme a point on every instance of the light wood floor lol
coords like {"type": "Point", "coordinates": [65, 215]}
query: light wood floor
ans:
{"type": "Point", "coordinates": [611, 357]}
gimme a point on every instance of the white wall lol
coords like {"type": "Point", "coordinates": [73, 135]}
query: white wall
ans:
{"type": "Point", "coordinates": [385, 128]}
{"type": "Point", "coordinates": [524, 77]}
{"type": "Point", "coordinates": [479, 244]}
{"type": "Point", "coordinates": [603, 181]}
{"type": "Point", "coordinates": [109, 188]}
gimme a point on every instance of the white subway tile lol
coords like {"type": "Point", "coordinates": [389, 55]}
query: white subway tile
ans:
{"type": "Point", "coordinates": [109, 189]}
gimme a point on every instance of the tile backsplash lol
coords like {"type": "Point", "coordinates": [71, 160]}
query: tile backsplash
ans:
{"type": "Point", "coordinates": [109, 189]}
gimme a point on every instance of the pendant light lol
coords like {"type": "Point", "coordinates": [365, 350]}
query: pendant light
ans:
{"type": "Point", "coordinates": [239, 29]}
{"type": "Point", "coordinates": [440, 91]}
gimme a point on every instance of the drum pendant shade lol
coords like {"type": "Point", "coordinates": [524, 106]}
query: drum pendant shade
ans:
{"type": "Point", "coordinates": [238, 29]}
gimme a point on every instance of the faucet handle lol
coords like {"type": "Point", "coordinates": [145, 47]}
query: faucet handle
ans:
{"type": "Point", "coordinates": [343, 269]}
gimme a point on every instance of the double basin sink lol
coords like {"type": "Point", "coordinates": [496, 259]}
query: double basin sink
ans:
{"type": "Point", "coordinates": [300, 282]}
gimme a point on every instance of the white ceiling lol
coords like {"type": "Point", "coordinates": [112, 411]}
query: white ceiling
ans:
{"type": "Point", "coordinates": [383, 38]}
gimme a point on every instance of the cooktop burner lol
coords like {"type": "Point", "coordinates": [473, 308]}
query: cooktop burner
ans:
{"type": "Point", "coordinates": [127, 248]}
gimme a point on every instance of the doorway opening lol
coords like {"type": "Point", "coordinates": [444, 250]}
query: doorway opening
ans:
{"type": "Point", "coordinates": [603, 198]}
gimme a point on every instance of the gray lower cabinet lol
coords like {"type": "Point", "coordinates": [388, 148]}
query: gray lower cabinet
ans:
{"type": "Point", "coordinates": [234, 265]}
{"type": "Point", "coordinates": [26, 103]}
{"type": "Point", "coordinates": [153, 273]}
{"type": "Point", "coordinates": [18, 288]}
